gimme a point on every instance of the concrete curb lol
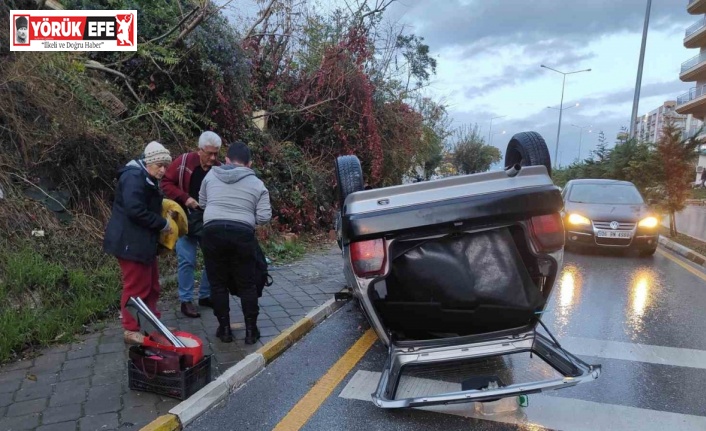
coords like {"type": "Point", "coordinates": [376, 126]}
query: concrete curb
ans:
{"type": "Point", "coordinates": [234, 377]}
{"type": "Point", "coordinates": [685, 252]}
{"type": "Point", "coordinates": [163, 423]}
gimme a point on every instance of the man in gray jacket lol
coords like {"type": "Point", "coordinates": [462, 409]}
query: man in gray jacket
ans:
{"type": "Point", "coordinates": [234, 202]}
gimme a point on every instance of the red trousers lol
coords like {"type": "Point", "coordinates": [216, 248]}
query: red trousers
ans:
{"type": "Point", "coordinates": [141, 280]}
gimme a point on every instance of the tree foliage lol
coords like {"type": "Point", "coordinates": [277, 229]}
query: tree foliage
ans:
{"type": "Point", "coordinates": [346, 82]}
{"type": "Point", "coordinates": [662, 171]}
{"type": "Point", "coordinates": [470, 152]}
{"type": "Point", "coordinates": [677, 158]}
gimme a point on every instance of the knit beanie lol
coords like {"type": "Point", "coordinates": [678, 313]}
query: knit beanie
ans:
{"type": "Point", "coordinates": [156, 153]}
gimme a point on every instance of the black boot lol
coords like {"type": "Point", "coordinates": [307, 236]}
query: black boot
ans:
{"type": "Point", "coordinates": [252, 334]}
{"type": "Point", "coordinates": [224, 332]}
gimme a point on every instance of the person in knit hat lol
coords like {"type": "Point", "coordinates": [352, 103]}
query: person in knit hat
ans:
{"type": "Point", "coordinates": [21, 26]}
{"type": "Point", "coordinates": [132, 233]}
{"type": "Point", "coordinates": [155, 153]}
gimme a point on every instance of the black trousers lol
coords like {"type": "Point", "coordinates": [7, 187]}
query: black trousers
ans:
{"type": "Point", "coordinates": [229, 254]}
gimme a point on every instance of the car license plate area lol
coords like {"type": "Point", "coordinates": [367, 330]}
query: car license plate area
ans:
{"type": "Point", "coordinates": [614, 234]}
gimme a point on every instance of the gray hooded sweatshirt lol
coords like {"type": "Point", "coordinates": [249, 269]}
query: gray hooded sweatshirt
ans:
{"type": "Point", "coordinates": [234, 193]}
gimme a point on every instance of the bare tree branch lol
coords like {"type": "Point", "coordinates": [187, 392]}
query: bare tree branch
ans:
{"type": "Point", "coordinates": [380, 7]}
{"type": "Point", "coordinates": [195, 23]}
{"type": "Point", "coordinates": [173, 29]}
{"type": "Point", "coordinates": [40, 189]}
{"type": "Point", "coordinates": [292, 111]}
{"type": "Point", "coordinates": [206, 11]}
{"type": "Point", "coordinates": [265, 14]}
{"type": "Point", "coordinates": [51, 4]}
{"type": "Point", "coordinates": [91, 64]}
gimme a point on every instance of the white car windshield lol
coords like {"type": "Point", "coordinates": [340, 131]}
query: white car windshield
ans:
{"type": "Point", "coordinates": [610, 194]}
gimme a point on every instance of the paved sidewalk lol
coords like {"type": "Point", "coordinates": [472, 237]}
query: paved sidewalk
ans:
{"type": "Point", "coordinates": [83, 386]}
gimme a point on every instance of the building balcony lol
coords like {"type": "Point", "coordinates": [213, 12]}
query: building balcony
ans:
{"type": "Point", "coordinates": [693, 102]}
{"type": "Point", "coordinates": [695, 35]}
{"type": "Point", "coordinates": [694, 69]}
{"type": "Point", "coordinates": [696, 7]}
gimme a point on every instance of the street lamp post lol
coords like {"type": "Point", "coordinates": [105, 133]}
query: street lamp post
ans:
{"type": "Point", "coordinates": [638, 83]}
{"type": "Point", "coordinates": [581, 135]}
{"type": "Point", "coordinates": [564, 109]}
{"type": "Point", "coordinates": [561, 106]}
{"type": "Point", "coordinates": [490, 137]}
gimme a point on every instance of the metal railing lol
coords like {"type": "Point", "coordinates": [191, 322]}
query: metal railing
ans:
{"type": "Point", "coordinates": [693, 62]}
{"type": "Point", "coordinates": [693, 94]}
{"type": "Point", "coordinates": [693, 132]}
{"type": "Point", "coordinates": [695, 27]}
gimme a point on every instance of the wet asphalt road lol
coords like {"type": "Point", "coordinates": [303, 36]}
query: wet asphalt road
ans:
{"type": "Point", "coordinates": [635, 306]}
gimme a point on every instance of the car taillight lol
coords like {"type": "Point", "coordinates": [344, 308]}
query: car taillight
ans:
{"type": "Point", "coordinates": [547, 232]}
{"type": "Point", "coordinates": [368, 257]}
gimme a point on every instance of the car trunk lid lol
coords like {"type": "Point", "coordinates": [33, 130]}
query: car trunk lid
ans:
{"type": "Point", "coordinates": [478, 371]}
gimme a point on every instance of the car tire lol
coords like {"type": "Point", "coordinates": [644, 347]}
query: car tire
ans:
{"type": "Point", "coordinates": [528, 149]}
{"type": "Point", "coordinates": [573, 248]}
{"type": "Point", "coordinates": [647, 253]}
{"type": "Point", "coordinates": [349, 176]}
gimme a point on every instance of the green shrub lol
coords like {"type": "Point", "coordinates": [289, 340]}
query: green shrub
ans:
{"type": "Point", "coordinates": [42, 302]}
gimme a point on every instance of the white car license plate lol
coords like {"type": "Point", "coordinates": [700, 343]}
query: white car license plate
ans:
{"type": "Point", "coordinates": [614, 234]}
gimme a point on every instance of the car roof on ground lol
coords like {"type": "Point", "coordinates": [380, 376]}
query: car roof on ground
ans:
{"type": "Point", "coordinates": [601, 182]}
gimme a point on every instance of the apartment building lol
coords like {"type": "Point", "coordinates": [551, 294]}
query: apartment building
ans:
{"type": "Point", "coordinates": [694, 70]}
{"type": "Point", "coordinates": [648, 127]}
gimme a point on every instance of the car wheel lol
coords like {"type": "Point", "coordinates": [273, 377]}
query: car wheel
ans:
{"type": "Point", "coordinates": [528, 149]}
{"type": "Point", "coordinates": [349, 175]}
{"type": "Point", "coordinates": [573, 248]}
{"type": "Point", "coordinates": [647, 253]}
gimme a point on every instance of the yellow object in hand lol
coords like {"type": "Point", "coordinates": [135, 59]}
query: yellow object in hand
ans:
{"type": "Point", "coordinates": [176, 217]}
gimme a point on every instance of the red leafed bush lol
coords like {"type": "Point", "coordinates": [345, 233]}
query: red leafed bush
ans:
{"type": "Point", "coordinates": [340, 118]}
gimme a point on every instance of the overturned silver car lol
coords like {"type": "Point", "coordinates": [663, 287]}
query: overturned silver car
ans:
{"type": "Point", "coordinates": [454, 274]}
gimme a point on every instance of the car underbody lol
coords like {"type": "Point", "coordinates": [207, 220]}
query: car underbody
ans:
{"type": "Point", "coordinates": [454, 275]}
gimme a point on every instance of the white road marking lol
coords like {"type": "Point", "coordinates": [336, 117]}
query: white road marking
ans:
{"type": "Point", "coordinates": [547, 411]}
{"type": "Point", "coordinates": [661, 355]}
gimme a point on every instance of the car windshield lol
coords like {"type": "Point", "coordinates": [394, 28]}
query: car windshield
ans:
{"type": "Point", "coordinates": [611, 194]}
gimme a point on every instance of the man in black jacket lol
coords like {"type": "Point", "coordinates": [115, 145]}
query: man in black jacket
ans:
{"type": "Point", "coordinates": [132, 234]}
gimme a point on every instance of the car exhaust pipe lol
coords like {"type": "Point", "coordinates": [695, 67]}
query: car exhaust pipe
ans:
{"type": "Point", "coordinates": [513, 170]}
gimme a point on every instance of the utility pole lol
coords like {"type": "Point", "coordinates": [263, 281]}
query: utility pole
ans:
{"type": "Point", "coordinates": [490, 136]}
{"type": "Point", "coordinates": [561, 107]}
{"type": "Point", "coordinates": [581, 136]}
{"type": "Point", "coordinates": [638, 83]}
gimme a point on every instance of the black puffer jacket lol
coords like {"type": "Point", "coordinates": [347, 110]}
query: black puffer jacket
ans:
{"type": "Point", "coordinates": [136, 221]}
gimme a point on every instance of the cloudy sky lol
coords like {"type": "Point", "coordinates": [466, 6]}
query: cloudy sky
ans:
{"type": "Point", "coordinates": [489, 54]}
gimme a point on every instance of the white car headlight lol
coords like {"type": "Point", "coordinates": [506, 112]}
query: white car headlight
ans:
{"type": "Point", "coordinates": [649, 222]}
{"type": "Point", "coordinates": [578, 219]}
